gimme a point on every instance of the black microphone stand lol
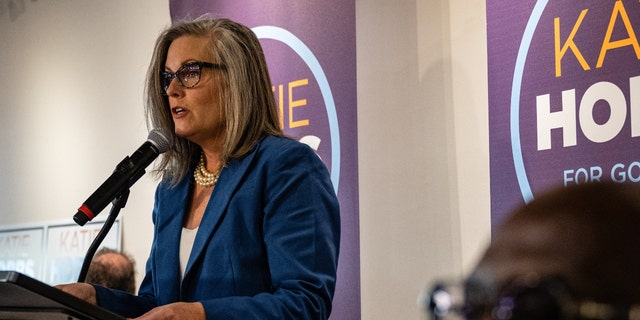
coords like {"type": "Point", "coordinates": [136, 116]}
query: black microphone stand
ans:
{"type": "Point", "coordinates": [118, 203]}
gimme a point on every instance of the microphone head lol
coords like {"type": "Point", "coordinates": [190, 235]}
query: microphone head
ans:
{"type": "Point", "coordinates": [160, 139]}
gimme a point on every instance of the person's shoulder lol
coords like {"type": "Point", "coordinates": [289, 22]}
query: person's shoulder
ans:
{"type": "Point", "coordinates": [277, 144]}
{"type": "Point", "coordinates": [279, 151]}
{"type": "Point", "coordinates": [275, 141]}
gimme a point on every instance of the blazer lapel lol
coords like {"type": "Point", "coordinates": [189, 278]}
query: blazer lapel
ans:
{"type": "Point", "coordinates": [230, 178]}
{"type": "Point", "coordinates": [169, 228]}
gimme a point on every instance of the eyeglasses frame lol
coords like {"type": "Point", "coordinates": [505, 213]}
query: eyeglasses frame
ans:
{"type": "Point", "coordinates": [571, 308]}
{"type": "Point", "coordinates": [174, 75]}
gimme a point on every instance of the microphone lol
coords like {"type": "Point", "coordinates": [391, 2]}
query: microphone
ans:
{"type": "Point", "coordinates": [127, 172]}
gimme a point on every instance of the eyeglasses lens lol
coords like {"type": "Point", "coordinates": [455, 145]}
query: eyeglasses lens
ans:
{"type": "Point", "coordinates": [460, 302]}
{"type": "Point", "coordinates": [529, 303]}
{"type": "Point", "coordinates": [188, 75]}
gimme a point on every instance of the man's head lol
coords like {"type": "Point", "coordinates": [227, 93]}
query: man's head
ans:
{"type": "Point", "coordinates": [587, 235]}
{"type": "Point", "coordinates": [574, 246]}
{"type": "Point", "coordinates": [112, 269]}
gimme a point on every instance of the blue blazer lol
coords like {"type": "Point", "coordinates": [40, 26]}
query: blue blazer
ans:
{"type": "Point", "coordinates": [267, 246]}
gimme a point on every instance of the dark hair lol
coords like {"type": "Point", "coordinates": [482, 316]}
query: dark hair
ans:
{"type": "Point", "coordinates": [599, 224]}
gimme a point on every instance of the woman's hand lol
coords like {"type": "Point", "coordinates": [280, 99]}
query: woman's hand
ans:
{"type": "Point", "coordinates": [83, 291]}
{"type": "Point", "coordinates": [178, 310]}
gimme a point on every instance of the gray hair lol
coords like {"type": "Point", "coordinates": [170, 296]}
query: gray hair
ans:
{"type": "Point", "coordinates": [249, 107]}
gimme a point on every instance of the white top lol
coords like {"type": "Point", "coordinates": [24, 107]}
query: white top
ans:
{"type": "Point", "coordinates": [186, 244]}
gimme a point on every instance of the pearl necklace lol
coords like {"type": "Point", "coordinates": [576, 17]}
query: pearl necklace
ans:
{"type": "Point", "coordinates": [204, 177]}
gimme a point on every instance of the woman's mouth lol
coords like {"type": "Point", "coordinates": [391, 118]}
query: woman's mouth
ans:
{"type": "Point", "coordinates": [178, 111]}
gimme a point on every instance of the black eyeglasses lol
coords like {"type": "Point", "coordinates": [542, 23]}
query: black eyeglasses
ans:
{"type": "Point", "coordinates": [537, 299]}
{"type": "Point", "coordinates": [188, 75]}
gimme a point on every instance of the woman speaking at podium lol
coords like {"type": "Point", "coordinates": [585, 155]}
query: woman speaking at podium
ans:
{"type": "Point", "coordinates": [246, 221]}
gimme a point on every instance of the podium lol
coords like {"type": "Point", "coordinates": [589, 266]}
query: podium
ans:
{"type": "Point", "coordinates": [22, 297]}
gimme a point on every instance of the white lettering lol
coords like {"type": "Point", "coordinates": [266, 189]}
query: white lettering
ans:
{"type": "Point", "coordinates": [610, 93]}
{"type": "Point", "coordinates": [634, 98]}
{"type": "Point", "coordinates": [632, 173]}
{"type": "Point", "coordinates": [565, 119]}
{"type": "Point", "coordinates": [582, 175]}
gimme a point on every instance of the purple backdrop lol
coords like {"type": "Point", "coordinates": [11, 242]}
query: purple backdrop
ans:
{"type": "Point", "coordinates": [311, 53]}
{"type": "Point", "coordinates": [564, 101]}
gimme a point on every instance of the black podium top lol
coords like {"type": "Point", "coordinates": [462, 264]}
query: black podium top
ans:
{"type": "Point", "coordinates": [22, 297]}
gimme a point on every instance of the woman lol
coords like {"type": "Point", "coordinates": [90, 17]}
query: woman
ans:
{"type": "Point", "coordinates": [246, 221]}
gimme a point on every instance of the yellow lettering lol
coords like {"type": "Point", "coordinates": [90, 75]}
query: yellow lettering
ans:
{"type": "Point", "coordinates": [296, 103]}
{"type": "Point", "coordinates": [569, 44]}
{"type": "Point", "coordinates": [618, 10]}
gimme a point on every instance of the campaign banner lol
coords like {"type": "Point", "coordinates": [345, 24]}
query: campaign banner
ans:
{"type": "Point", "coordinates": [52, 252]}
{"type": "Point", "coordinates": [564, 96]}
{"type": "Point", "coordinates": [311, 55]}
{"type": "Point", "coordinates": [21, 250]}
{"type": "Point", "coordinates": [67, 245]}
